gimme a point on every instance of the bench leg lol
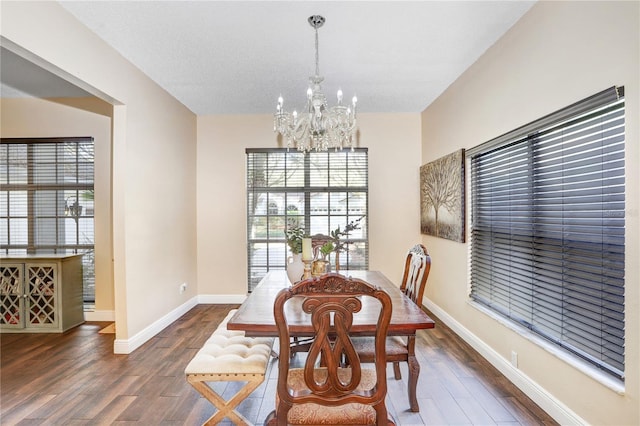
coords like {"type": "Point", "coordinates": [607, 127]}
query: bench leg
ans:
{"type": "Point", "coordinates": [226, 408]}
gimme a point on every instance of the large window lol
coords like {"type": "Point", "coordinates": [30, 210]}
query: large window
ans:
{"type": "Point", "coordinates": [547, 228]}
{"type": "Point", "coordinates": [46, 200]}
{"type": "Point", "coordinates": [318, 191]}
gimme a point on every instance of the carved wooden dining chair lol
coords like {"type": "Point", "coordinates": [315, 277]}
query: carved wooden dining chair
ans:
{"type": "Point", "coordinates": [327, 392]}
{"type": "Point", "coordinates": [414, 280]}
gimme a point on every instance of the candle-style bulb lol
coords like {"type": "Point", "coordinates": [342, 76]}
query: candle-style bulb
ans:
{"type": "Point", "coordinates": [339, 96]}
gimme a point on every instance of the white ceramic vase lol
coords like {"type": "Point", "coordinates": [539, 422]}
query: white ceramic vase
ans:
{"type": "Point", "coordinates": [295, 268]}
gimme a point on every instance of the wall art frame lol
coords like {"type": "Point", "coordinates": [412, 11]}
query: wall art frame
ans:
{"type": "Point", "coordinates": [442, 206]}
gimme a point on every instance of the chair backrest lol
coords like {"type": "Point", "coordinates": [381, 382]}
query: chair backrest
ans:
{"type": "Point", "coordinates": [416, 271]}
{"type": "Point", "coordinates": [317, 241]}
{"type": "Point", "coordinates": [330, 304]}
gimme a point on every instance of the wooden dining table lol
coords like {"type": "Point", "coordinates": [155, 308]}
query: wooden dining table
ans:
{"type": "Point", "coordinates": [255, 315]}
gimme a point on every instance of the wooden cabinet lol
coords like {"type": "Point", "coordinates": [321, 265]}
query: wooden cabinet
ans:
{"type": "Point", "coordinates": [41, 294]}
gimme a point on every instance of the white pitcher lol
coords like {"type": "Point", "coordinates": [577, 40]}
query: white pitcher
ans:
{"type": "Point", "coordinates": [295, 268]}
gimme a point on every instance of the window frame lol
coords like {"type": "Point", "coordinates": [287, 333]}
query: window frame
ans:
{"type": "Point", "coordinates": [63, 211]}
{"type": "Point", "coordinates": [306, 185]}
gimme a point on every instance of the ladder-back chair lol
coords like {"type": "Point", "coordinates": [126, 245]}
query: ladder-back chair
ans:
{"type": "Point", "coordinates": [414, 281]}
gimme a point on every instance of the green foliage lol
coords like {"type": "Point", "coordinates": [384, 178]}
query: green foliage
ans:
{"type": "Point", "coordinates": [327, 248]}
{"type": "Point", "coordinates": [294, 239]}
{"type": "Point", "coordinates": [87, 195]}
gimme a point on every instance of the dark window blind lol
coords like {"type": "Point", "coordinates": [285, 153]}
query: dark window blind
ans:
{"type": "Point", "coordinates": [548, 228]}
{"type": "Point", "coordinates": [318, 191]}
{"type": "Point", "coordinates": [46, 199]}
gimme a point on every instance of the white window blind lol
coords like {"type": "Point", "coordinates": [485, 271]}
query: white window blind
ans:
{"type": "Point", "coordinates": [46, 199]}
{"type": "Point", "coordinates": [318, 191]}
{"type": "Point", "coordinates": [548, 228]}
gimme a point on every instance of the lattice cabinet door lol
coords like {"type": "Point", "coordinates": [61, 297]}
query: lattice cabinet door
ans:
{"type": "Point", "coordinates": [41, 295]}
{"type": "Point", "coordinates": [12, 295]}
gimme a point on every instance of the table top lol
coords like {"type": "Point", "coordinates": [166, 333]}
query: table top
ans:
{"type": "Point", "coordinates": [255, 315]}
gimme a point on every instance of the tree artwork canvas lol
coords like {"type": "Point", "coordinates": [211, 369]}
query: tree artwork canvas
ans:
{"type": "Point", "coordinates": [442, 197]}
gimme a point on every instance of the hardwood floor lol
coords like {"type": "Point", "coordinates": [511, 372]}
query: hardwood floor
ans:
{"type": "Point", "coordinates": [75, 379]}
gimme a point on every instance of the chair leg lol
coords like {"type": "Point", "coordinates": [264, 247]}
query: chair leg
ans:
{"type": "Point", "coordinates": [414, 372]}
{"type": "Point", "coordinates": [396, 371]}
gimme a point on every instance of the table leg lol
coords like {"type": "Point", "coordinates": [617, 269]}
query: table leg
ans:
{"type": "Point", "coordinates": [414, 372]}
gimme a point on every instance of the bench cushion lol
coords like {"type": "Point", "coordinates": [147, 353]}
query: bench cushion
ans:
{"type": "Point", "coordinates": [230, 352]}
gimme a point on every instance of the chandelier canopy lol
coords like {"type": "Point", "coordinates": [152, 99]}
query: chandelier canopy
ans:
{"type": "Point", "coordinates": [317, 127]}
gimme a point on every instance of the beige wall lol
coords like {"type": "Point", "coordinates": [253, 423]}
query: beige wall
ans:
{"type": "Point", "coordinates": [394, 160]}
{"type": "Point", "coordinates": [29, 117]}
{"type": "Point", "coordinates": [557, 54]}
{"type": "Point", "coordinates": [153, 149]}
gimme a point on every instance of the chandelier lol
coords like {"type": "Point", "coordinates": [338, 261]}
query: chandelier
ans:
{"type": "Point", "coordinates": [318, 127]}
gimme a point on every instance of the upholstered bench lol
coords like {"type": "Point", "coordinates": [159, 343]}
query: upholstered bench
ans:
{"type": "Point", "coordinates": [225, 357]}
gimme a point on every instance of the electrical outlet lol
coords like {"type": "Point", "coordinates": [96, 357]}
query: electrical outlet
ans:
{"type": "Point", "coordinates": [183, 288]}
{"type": "Point", "coordinates": [514, 358]}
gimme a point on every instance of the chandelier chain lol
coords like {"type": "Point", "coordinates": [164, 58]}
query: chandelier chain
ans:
{"type": "Point", "coordinates": [317, 55]}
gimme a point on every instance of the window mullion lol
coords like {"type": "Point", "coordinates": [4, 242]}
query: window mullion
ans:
{"type": "Point", "coordinates": [30, 201]}
{"type": "Point", "coordinates": [307, 193]}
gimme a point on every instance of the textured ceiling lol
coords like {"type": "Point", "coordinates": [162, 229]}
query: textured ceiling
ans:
{"type": "Point", "coordinates": [237, 57]}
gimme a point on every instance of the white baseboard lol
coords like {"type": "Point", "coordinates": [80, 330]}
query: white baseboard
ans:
{"type": "Point", "coordinates": [554, 407]}
{"type": "Point", "coordinates": [126, 346]}
{"type": "Point", "coordinates": [99, 315]}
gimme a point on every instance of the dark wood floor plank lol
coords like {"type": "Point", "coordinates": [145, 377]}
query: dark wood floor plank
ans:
{"type": "Point", "coordinates": [431, 413]}
{"type": "Point", "coordinates": [115, 408]}
{"type": "Point", "coordinates": [182, 409]}
{"type": "Point", "coordinates": [268, 403]}
{"type": "Point", "coordinates": [524, 414]}
{"type": "Point", "coordinates": [474, 412]}
{"type": "Point", "coordinates": [450, 381]}
{"type": "Point", "coordinates": [59, 404]}
{"type": "Point", "coordinates": [73, 378]}
{"type": "Point", "coordinates": [95, 402]}
{"type": "Point", "coordinates": [489, 402]}
{"type": "Point", "coordinates": [23, 410]}
{"type": "Point", "coordinates": [60, 412]}
{"type": "Point", "coordinates": [452, 412]}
